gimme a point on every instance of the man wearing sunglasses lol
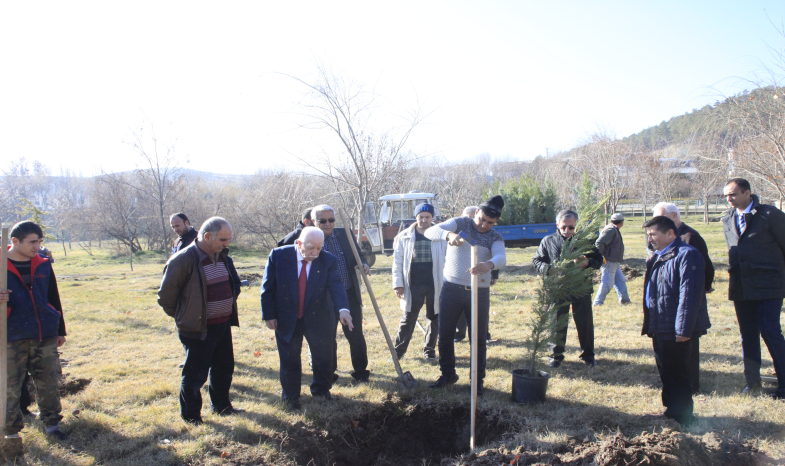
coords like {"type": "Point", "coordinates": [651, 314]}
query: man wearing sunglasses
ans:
{"type": "Point", "coordinates": [335, 242]}
{"type": "Point", "coordinates": [548, 254]}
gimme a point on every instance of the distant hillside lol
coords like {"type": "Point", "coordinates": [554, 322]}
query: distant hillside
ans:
{"type": "Point", "coordinates": [680, 129]}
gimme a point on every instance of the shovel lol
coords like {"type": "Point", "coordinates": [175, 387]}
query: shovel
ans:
{"type": "Point", "coordinates": [406, 379]}
{"type": "Point", "coordinates": [475, 288]}
{"type": "Point", "coordinates": [3, 325]}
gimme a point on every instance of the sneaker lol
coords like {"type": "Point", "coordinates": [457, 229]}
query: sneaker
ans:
{"type": "Point", "coordinates": [444, 380]}
{"type": "Point", "coordinates": [429, 356]}
{"type": "Point", "coordinates": [56, 434]}
{"type": "Point", "coordinates": [554, 363]}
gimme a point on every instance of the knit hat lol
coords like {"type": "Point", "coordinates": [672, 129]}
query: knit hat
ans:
{"type": "Point", "coordinates": [424, 208]}
{"type": "Point", "coordinates": [617, 217]}
{"type": "Point", "coordinates": [493, 206]}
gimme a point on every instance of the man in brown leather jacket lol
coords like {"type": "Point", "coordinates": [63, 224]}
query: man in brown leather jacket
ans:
{"type": "Point", "coordinates": [199, 290]}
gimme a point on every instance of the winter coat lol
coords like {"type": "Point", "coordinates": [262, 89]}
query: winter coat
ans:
{"type": "Point", "coordinates": [402, 264]}
{"type": "Point", "coordinates": [550, 249]}
{"type": "Point", "coordinates": [756, 263]}
{"type": "Point", "coordinates": [183, 291]}
{"type": "Point", "coordinates": [677, 300]}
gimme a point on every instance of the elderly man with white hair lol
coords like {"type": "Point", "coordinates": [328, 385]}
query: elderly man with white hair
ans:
{"type": "Point", "coordinates": [694, 239]}
{"type": "Point", "coordinates": [336, 243]}
{"type": "Point", "coordinates": [303, 297]}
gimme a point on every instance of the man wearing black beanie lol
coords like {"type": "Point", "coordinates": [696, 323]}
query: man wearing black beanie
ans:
{"type": "Point", "coordinates": [456, 296]}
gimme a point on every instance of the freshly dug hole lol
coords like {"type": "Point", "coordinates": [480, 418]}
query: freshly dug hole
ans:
{"type": "Point", "coordinates": [394, 435]}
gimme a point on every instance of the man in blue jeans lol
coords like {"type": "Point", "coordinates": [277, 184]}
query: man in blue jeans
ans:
{"type": "Point", "coordinates": [755, 235]}
{"type": "Point", "coordinates": [611, 246]}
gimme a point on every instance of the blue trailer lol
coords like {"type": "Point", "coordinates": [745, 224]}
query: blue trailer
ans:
{"type": "Point", "coordinates": [523, 236]}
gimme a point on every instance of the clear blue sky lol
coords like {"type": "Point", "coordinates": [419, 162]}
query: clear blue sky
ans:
{"type": "Point", "coordinates": [505, 77]}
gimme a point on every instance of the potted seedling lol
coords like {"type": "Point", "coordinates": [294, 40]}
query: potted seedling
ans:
{"type": "Point", "coordinates": [564, 281]}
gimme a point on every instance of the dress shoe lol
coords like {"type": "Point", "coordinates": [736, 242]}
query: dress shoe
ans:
{"type": "Point", "coordinates": [335, 377]}
{"type": "Point", "coordinates": [480, 389]}
{"type": "Point", "coordinates": [457, 340]}
{"type": "Point", "coordinates": [591, 362]}
{"type": "Point", "coordinates": [775, 396]}
{"type": "Point", "coordinates": [194, 422]}
{"type": "Point", "coordinates": [444, 380]}
{"type": "Point", "coordinates": [751, 389]}
{"type": "Point", "coordinates": [229, 411]}
{"type": "Point", "coordinates": [293, 404]}
{"type": "Point", "coordinates": [362, 377]}
{"type": "Point", "coordinates": [325, 395]}
{"type": "Point", "coordinates": [554, 363]}
{"type": "Point", "coordinates": [429, 356]}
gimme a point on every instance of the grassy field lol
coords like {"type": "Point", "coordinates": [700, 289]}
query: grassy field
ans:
{"type": "Point", "coordinates": [127, 348]}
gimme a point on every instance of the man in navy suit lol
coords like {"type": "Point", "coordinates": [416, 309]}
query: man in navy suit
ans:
{"type": "Point", "coordinates": [303, 296]}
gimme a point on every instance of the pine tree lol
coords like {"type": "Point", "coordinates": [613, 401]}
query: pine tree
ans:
{"type": "Point", "coordinates": [586, 197]}
{"type": "Point", "coordinates": [564, 281]}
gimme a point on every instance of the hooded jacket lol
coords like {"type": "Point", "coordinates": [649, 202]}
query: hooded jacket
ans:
{"type": "Point", "coordinates": [31, 315]}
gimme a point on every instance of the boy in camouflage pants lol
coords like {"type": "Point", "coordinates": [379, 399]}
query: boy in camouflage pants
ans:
{"type": "Point", "coordinates": [35, 330]}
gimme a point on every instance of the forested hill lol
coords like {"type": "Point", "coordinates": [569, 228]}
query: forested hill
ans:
{"type": "Point", "coordinates": [680, 129]}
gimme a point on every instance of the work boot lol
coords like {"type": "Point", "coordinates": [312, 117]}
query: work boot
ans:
{"type": "Point", "coordinates": [13, 447]}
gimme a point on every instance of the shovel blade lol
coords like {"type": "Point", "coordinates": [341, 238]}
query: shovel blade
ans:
{"type": "Point", "coordinates": [407, 380]}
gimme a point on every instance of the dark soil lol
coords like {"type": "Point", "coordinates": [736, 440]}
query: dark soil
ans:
{"type": "Point", "coordinates": [667, 448]}
{"type": "Point", "coordinates": [401, 434]}
{"type": "Point", "coordinates": [394, 435]}
{"type": "Point", "coordinates": [252, 277]}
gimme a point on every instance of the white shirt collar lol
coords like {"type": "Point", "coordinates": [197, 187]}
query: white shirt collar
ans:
{"type": "Point", "coordinates": [300, 260]}
{"type": "Point", "coordinates": [748, 209]}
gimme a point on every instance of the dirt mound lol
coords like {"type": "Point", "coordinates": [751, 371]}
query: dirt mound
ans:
{"type": "Point", "coordinates": [630, 273]}
{"type": "Point", "coordinates": [252, 277]}
{"type": "Point", "coordinates": [667, 448]}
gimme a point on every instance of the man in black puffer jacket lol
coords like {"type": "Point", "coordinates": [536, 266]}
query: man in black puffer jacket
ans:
{"type": "Point", "coordinates": [674, 311]}
{"type": "Point", "coordinates": [547, 254]}
{"type": "Point", "coordinates": [755, 235]}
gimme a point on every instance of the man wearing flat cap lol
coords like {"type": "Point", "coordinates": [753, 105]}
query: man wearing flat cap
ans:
{"type": "Point", "coordinates": [611, 246]}
{"type": "Point", "coordinates": [456, 296]}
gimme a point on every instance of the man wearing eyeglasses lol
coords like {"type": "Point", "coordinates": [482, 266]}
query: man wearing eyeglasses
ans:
{"type": "Point", "coordinates": [335, 242]}
{"type": "Point", "coordinates": [547, 254]}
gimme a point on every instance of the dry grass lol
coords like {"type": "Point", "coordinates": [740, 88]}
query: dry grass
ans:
{"type": "Point", "coordinates": [121, 340]}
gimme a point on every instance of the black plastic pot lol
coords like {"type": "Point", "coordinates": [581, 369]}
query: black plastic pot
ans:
{"type": "Point", "coordinates": [527, 389]}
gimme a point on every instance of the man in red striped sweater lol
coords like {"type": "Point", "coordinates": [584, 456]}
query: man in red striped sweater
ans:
{"type": "Point", "coordinates": [199, 290]}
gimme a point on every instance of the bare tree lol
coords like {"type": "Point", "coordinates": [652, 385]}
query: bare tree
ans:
{"type": "Point", "coordinates": [607, 161]}
{"type": "Point", "coordinates": [159, 178]}
{"type": "Point", "coordinates": [367, 156]}
{"type": "Point", "coordinates": [115, 209]}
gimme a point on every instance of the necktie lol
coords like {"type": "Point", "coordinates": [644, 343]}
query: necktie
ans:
{"type": "Point", "coordinates": [742, 224]}
{"type": "Point", "coordinates": [303, 283]}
